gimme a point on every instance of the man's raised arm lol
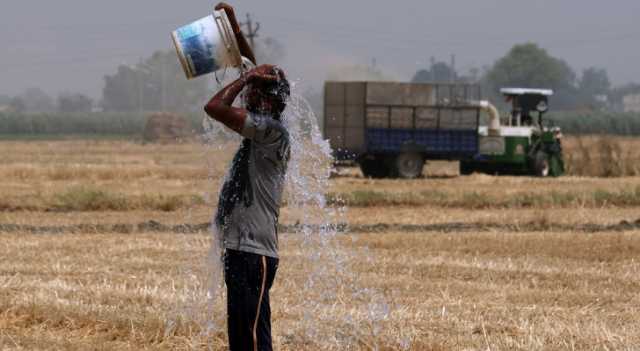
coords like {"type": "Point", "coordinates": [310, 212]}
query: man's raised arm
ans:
{"type": "Point", "coordinates": [243, 45]}
{"type": "Point", "coordinates": [220, 109]}
{"type": "Point", "coordinates": [220, 106]}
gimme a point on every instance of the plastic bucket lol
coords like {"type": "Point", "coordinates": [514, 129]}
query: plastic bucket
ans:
{"type": "Point", "coordinates": [206, 45]}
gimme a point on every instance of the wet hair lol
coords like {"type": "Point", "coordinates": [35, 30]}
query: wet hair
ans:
{"type": "Point", "coordinates": [277, 92]}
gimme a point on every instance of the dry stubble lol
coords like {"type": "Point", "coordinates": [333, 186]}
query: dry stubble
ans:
{"type": "Point", "coordinates": [497, 288]}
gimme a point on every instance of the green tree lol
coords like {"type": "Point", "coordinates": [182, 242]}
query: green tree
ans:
{"type": "Point", "coordinates": [17, 104]}
{"type": "Point", "coordinates": [123, 90]}
{"type": "Point", "coordinates": [529, 66]}
{"type": "Point", "coordinates": [35, 100]}
{"type": "Point", "coordinates": [157, 83]}
{"type": "Point", "coordinates": [594, 85]}
{"type": "Point", "coordinates": [439, 72]}
{"type": "Point", "coordinates": [74, 103]}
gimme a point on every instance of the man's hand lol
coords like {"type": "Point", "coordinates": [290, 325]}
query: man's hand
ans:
{"type": "Point", "coordinates": [230, 14]}
{"type": "Point", "coordinates": [265, 73]}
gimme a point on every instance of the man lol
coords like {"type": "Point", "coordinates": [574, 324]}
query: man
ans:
{"type": "Point", "coordinates": [249, 203]}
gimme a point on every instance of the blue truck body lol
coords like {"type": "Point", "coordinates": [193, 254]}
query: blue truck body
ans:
{"type": "Point", "coordinates": [438, 143]}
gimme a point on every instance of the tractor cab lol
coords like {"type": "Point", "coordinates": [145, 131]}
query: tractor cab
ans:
{"type": "Point", "coordinates": [526, 104]}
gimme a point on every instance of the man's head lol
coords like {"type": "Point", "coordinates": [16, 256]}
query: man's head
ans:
{"type": "Point", "coordinates": [268, 96]}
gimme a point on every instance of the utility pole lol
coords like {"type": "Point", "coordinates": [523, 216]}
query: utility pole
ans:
{"type": "Point", "coordinates": [252, 32]}
{"type": "Point", "coordinates": [452, 70]}
{"type": "Point", "coordinates": [163, 83]}
{"type": "Point", "coordinates": [140, 82]}
{"type": "Point", "coordinates": [432, 64]}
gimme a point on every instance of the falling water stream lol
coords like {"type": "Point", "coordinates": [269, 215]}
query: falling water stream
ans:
{"type": "Point", "coordinates": [339, 308]}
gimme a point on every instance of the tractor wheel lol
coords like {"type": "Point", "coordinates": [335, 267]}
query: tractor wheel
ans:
{"type": "Point", "coordinates": [374, 168]}
{"type": "Point", "coordinates": [466, 168]}
{"type": "Point", "coordinates": [541, 165]}
{"type": "Point", "coordinates": [409, 165]}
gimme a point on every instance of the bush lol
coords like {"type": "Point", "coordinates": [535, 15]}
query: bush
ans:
{"type": "Point", "coordinates": [90, 199]}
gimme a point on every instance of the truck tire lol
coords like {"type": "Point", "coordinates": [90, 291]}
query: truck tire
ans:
{"type": "Point", "coordinates": [374, 168]}
{"type": "Point", "coordinates": [466, 168]}
{"type": "Point", "coordinates": [409, 165]}
{"type": "Point", "coordinates": [541, 165]}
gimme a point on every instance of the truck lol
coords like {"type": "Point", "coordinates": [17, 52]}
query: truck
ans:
{"type": "Point", "coordinates": [390, 129]}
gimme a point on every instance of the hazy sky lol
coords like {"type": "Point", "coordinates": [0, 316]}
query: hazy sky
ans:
{"type": "Point", "coordinates": [68, 45]}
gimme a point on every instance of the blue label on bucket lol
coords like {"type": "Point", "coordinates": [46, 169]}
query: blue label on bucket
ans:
{"type": "Point", "coordinates": [198, 42]}
{"type": "Point", "coordinates": [187, 31]}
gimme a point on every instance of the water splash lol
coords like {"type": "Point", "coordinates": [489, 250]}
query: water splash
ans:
{"type": "Point", "coordinates": [329, 261]}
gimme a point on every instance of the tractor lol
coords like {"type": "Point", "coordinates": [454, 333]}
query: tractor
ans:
{"type": "Point", "coordinates": [526, 145]}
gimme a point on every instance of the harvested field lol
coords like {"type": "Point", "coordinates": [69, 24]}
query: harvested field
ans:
{"type": "Point", "coordinates": [454, 291]}
{"type": "Point", "coordinates": [95, 238]}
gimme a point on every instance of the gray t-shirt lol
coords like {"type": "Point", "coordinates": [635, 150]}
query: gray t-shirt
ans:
{"type": "Point", "coordinates": [252, 224]}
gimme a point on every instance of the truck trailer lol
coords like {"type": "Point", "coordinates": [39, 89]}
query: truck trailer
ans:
{"type": "Point", "coordinates": [390, 129]}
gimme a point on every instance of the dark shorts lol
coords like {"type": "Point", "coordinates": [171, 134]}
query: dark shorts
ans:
{"type": "Point", "coordinates": [248, 278]}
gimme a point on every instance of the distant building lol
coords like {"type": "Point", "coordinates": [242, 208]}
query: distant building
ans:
{"type": "Point", "coordinates": [631, 103]}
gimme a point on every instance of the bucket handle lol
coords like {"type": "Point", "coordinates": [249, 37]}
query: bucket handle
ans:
{"type": "Point", "coordinates": [220, 21]}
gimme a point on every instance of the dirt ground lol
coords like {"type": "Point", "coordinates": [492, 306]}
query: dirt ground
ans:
{"type": "Point", "coordinates": [418, 276]}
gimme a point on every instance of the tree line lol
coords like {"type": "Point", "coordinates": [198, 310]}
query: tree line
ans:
{"type": "Point", "coordinates": [158, 83]}
{"type": "Point", "coordinates": [35, 100]}
{"type": "Point", "coordinates": [530, 66]}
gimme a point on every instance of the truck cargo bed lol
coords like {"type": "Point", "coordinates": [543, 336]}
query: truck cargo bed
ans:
{"type": "Point", "coordinates": [436, 120]}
